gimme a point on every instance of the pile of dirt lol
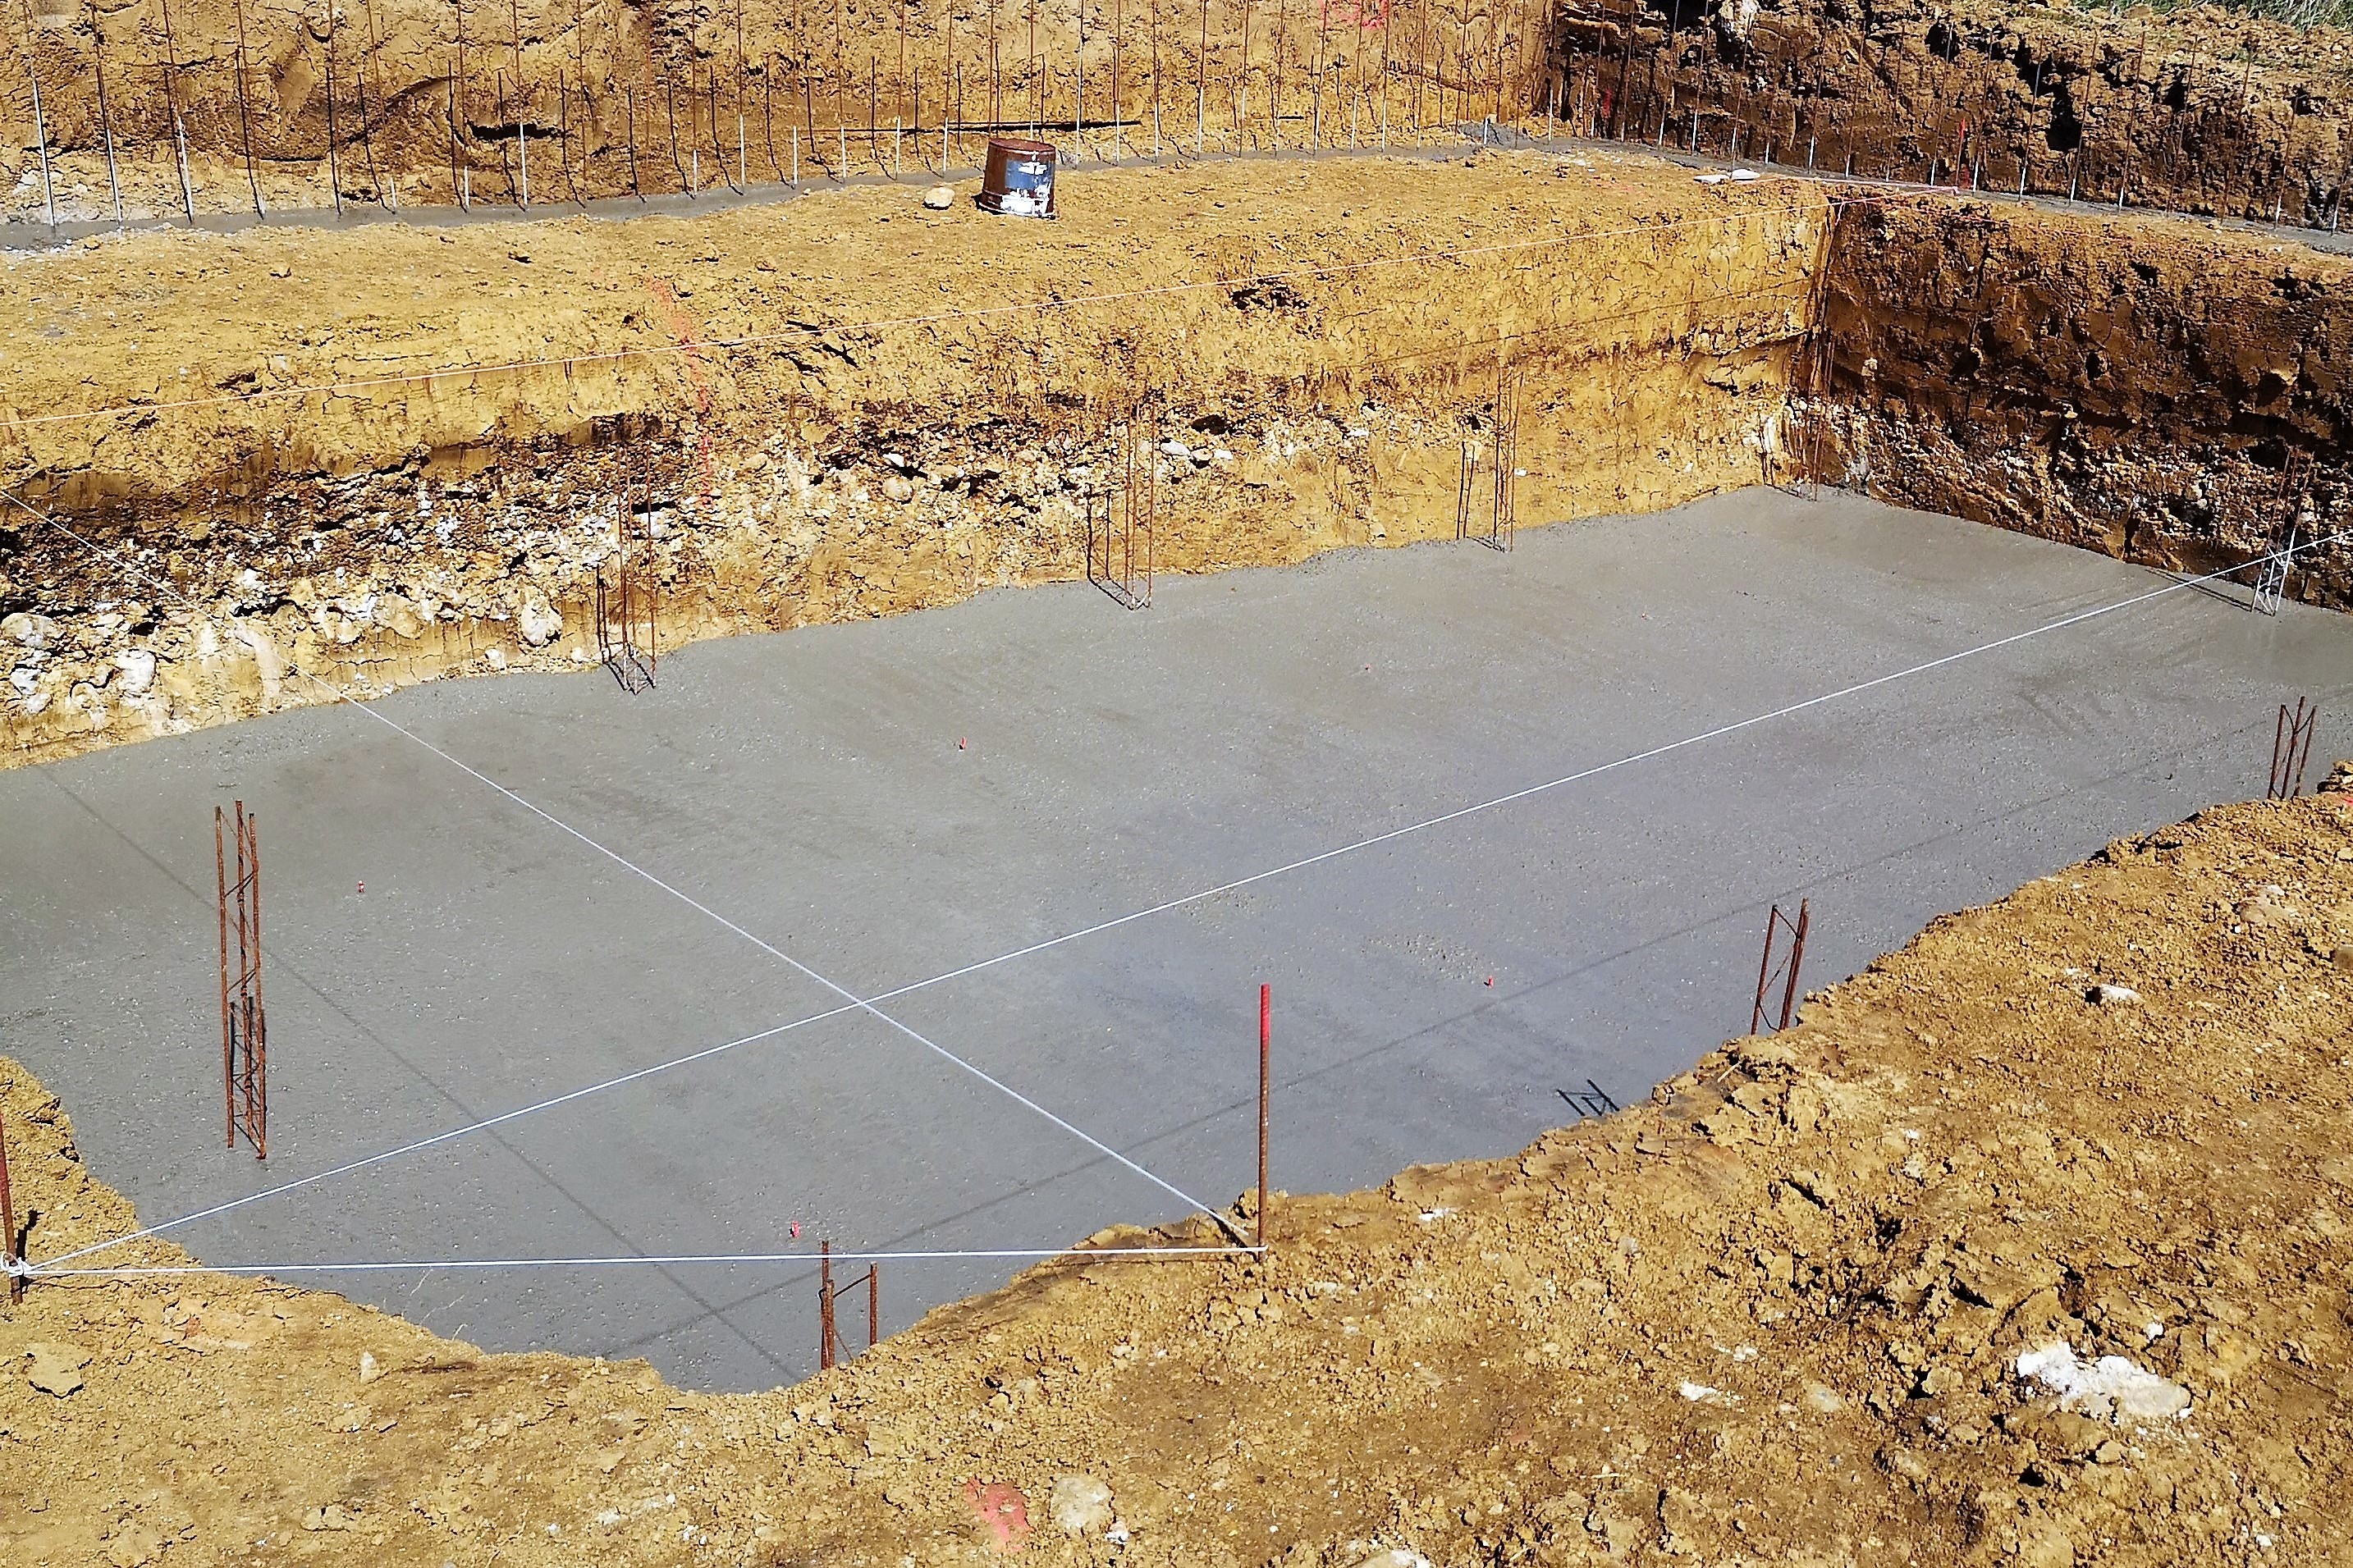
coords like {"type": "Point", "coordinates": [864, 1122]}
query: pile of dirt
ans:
{"type": "Point", "coordinates": [2029, 1244]}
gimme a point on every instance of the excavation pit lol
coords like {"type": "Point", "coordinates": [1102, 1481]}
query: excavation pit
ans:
{"type": "Point", "coordinates": [894, 799]}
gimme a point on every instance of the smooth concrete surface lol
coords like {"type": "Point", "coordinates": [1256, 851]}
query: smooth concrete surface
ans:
{"type": "Point", "coordinates": [812, 787]}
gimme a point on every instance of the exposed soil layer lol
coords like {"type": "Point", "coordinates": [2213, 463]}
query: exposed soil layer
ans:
{"type": "Point", "coordinates": [2198, 110]}
{"type": "Point", "coordinates": [851, 406]}
{"type": "Point", "coordinates": [1775, 1315]}
{"type": "Point", "coordinates": [2142, 388]}
{"type": "Point", "coordinates": [842, 408]}
{"type": "Point", "coordinates": [263, 106]}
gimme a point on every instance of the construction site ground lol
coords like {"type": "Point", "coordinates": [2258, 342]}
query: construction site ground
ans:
{"type": "Point", "coordinates": [261, 512]}
{"type": "Point", "coordinates": [895, 799]}
{"type": "Point", "coordinates": [1774, 1317]}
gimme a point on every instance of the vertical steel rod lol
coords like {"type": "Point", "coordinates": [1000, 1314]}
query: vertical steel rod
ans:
{"type": "Point", "coordinates": [334, 166]}
{"type": "Point", "coordinates": [824, 1305]}
{"type": "Point", "coordinates": [41, 139]}
{"type": "Point", "coordinates": [105, 112]}
{"type": "Point", "coordinates": [1797, 957]}
{"type": "Point", "coordinates": [8, 1220]}
{"type": "Point", "coordinates": [228, 1058]}
{"type": "Point", "coordinates": [1265, 1033]}
{"type": "Point", "coordinates": [245, 115]}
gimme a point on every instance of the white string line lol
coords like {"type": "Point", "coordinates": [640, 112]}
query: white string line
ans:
{"type": "Point", "coordinates": [143, 1271]}
{"type": "Point", "coordinates": [853, 1001]}
{"type": "Point", "coordinates": [1162, 908]}
{"type": "Point", "coordinates": [886, 323]}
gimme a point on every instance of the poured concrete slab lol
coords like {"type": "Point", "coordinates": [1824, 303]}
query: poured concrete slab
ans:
{"type": "Point", "coordinates": [892, 800]}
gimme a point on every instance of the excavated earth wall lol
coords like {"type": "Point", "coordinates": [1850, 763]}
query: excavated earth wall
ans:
{"type": "Point", "coordinates": [265, 105]}
{"type": "Point", "coordinates": [245, 486]}
{"type": "Point", "coordinates": [2152, 390]}
{"type": "Point", "coordinates": [2198, 110]}
{"type": "Point", "coordinates": [807, 416]}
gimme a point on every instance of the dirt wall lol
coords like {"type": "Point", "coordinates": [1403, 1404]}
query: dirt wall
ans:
{"type": "Point", "coordinates": [2151, 390]}
{"type": "Point", "coordinates": [2198, 109]}
{"type": "Point", "coordinates": [842, 408]}
{"type": "Point", "coordinates": [567, 100]}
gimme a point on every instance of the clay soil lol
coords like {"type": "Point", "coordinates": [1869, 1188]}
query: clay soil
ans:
{"type": "Point", "coordinates": [556, 100]}
{"type": "Point", "coordinates": [841, 406]}
{"type": "Point", "coordinates": [2196, 108]}
{"type": "Point", "coordinates": [1772, 1316]}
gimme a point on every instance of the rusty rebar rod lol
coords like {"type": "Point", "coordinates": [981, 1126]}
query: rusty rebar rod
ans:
{"type": "Point", "coordinates": [824, 1305]}
{"type": "Point", "coordinates": [334, 164]}
{"type": "Point", "coordinates": [245, 1048]}
{"type": "Point", "coordinates": [105, 110]}
{"type": "Point", "coordinates": [2292, 749]}
{"type": "Point", "coordinates": [522, 106]}
{"type": "Point", "coordinates": [245, 116]}
{"type": "Point", "coordinates": [228, 1037]}
{"type": "Point", "coordinates": [172, 108]}
{"type": "Point", "coordinates": [388, 195]}
{"type": "Point", "coordinates": [9, 1254]}
{"type": "Point", "coordinates": [1774, 924]}
{"type": "Point", "coordinates": [1265, 1037]}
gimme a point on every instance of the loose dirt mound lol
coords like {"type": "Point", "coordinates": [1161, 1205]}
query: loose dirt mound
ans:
{"type": "Point", "coordinates": [1778, 1314]}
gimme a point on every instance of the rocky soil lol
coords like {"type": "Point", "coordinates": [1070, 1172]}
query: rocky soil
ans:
{"type": "Point", "coordinates": [2030, 1245]}
{"type": "Point", "coordinates": [274, 481]}
{"type": "Point", "coordinates": [2191, 107]}
{"type": "Point", "coordinates": [2153, 389]}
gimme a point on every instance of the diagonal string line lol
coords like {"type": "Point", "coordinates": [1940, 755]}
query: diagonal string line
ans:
{"type": "Point", "coordinates": [628, 1261]}
{"type": "Point", "coordinates": [1164, 906]}
{"type": "Point", "coordinates": [852, 1001]}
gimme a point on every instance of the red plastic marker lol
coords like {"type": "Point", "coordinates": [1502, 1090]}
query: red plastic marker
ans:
{"type": "Point", "coordinates": [795, 1228]}
{"type": "Point", "coordinates": [959, 742]}
{"type": "Point", "coordinates": [363, 887]}
{"type": "Point", "coordinates": [1491, 980]}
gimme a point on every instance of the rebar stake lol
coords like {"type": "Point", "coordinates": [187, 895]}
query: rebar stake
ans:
{"type": "Point", "coordinates": [8, 1256]}
{"type": "Point", "coordinates": [1265, 1035]}
{"type": "Point", "coordinates": [2292, 749]}
{"type": "Point", "coordinates": [1768, 972]}
{"type": "Point", "coordinates": [245, 1036]}
{"type": "Point", "coordinates": [824, 1305]}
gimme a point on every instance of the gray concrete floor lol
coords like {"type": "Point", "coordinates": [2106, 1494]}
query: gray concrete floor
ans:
{"type": "Point", "coordinates": [810, 786]}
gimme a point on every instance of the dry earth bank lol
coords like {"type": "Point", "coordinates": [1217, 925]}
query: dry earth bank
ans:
{"type": "Point", "coordinates": [838, 408]}
{"type": "Point", "coordinates": [285, 480]}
